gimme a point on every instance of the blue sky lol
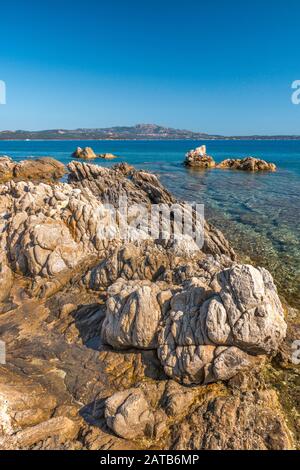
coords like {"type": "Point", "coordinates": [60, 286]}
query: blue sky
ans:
{"type": "Point", "coordinates": [219, 67]}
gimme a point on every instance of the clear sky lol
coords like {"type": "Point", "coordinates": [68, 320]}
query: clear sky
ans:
{"type": "Point", "coordinates": [215, 66]}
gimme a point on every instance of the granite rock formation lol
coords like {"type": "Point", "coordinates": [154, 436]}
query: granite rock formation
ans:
{"type": "Point", "coordinates": [87, 153]}
{"type": "Point", "coordinates": [127, 344]}
{"type": "Point", "coordinates": [40, 169]}
{"type": "Point", "coordinates": [247, 164]}
{"type": "Point", "coordinates": [202, 332]}
{"type": "Point", "coordinates": [198, 158]}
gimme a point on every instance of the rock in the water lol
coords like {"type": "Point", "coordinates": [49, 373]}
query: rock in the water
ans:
{"type": "Point", "coordinates": [247, 164]}
{"type": "Point", "coordinates": [86, 153]}
{"type": "Point", "coordinates": [198, 158]}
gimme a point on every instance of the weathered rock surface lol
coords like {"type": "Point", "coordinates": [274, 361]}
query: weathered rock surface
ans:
{"type": "Point", "coordinates": [49, 230]}
{"type": "Point", "coordinates": [109, 184]}
{"type": "Point", "coordinates": [87, 153]}
{"type": "Point", "coordinates": [124, 168]}
{"type": "Point", "coordinates": [253, 421]}
{"type": "Point", "coordinates": [214, 418]}
{"type": "Point", "coordinates": [128, 415]}
{"type": "Point", "coordinates": [40, 169]}
{"type": "Point", "coordinates": [133, 315]}
{"type": "Point", "coordinates": [103, 335]}
{"type": "Point", "coordinates": [247, 164]}
{"type": "Point", "coordinates": [198, 158]}
{"type": "Point", "coordinates": [6, 168]}
{"type": "Point", "coordinates": [207, 335]}
{"type": "Point", "coordinates": [139, 187]}
{"type": "Point", "coordinates": [204, 332]}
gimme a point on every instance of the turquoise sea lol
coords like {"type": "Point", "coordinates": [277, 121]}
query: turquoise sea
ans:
{"type": "Point", "coordinates": [259, 213]}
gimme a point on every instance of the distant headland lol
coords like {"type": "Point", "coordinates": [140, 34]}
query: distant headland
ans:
{"type": "Point", "coordinates": [137, 132]}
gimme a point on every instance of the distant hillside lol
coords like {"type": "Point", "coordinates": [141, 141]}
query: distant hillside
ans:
{"type": "Point", "coordinates": [137, 132]}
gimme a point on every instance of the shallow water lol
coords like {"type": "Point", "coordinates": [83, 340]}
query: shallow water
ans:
{"type": "Point", "coordinates": [259, 213]}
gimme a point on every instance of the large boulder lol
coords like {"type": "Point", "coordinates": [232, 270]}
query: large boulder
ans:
{"type": "Point", "coordinates": [128, 414]}
{"type": "Point", "coordinates": [203, 333]}
{"type": "Point", "coordinates": [243, 316]}
{"type": "Point", "coordinates": [254, 311]}
{"type": "Point", "coordinates": [133, 315]}
{"type": "Point", "coordinates": [41, 169]}
{"type": "Point", "coordinates": [86, 153]}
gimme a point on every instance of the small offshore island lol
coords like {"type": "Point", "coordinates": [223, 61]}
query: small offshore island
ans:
{"type": "Point", "coordinates": [198, 158]}
{"type": "Point", "coordinates": [87, 153]}
{"type": "Point", "coordinates": [151, 344]}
